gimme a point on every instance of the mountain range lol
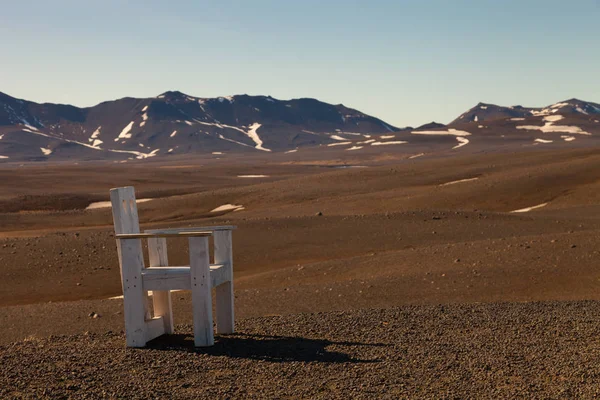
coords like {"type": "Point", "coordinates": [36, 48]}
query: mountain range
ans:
{"type": "Point", "coordinates": [175, 123]}
{"type": "Point", "coordinates": [486, 112]}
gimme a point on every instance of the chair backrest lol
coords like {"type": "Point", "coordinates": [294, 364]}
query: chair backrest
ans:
{"type": "Point", "coordinates": [124, 210]}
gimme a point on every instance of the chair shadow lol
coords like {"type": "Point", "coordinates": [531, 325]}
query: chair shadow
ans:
{"type": "Point", "coordinates": [263, 347]}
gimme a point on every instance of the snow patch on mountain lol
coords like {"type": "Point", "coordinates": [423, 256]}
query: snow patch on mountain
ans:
{"type": "Point", "coordinates": [353, 133]}
{"type": "Point", "coordinates": [454, 132]}
{"type": "Point", "coordinates": [252, 134]}
{"type": "Point", "coordinates": [26, 124]}
{"type": "Point", "coordinates": [461, 142]}
{"type": "Point", "coordinates": [125, 133]}
{"type": "Point", "coordinates": [553, 118]}
{"type": "Point", "coordinates": [228, 207]}
{"type": "Point", "coordinates": [95, 134]}
{"type": "Point", "coordinates": [336, 137]}
{"type": "Point", "coordinates": [233, 141]}
{"type": "Point", "coordinates": [549, 127]}
{"type": "Point", "coordinates": [459, 181]}
{"type": "Point", "coordinates": [522, 210]}
{"type": "Point", "coordinates": [145, 116]}
{"type": "Point", "coordinates": [339, 144]}
{"type": "Point", "coordinates": [387, 143]}
{"type": "Point", "coordinates": [558, 105]}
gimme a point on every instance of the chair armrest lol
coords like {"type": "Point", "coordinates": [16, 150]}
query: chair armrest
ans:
{"type": "Point", "coordinates": [195, 229]}
{"type": "Point", "coordinates": [162, 235]}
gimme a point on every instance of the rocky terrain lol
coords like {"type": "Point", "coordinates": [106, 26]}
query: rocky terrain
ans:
{"type": "Point", "coordinates": [491, 351]}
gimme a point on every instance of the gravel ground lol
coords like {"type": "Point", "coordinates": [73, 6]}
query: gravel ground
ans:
{"type": "Point", "coordinates": [500, 350]}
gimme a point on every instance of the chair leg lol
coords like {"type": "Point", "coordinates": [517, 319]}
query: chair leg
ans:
{"type": "Point", "coordinates": [157, 250]}
{"type": "Point", "coordinates": [201, 296]}
{"type": "Point", "coordinates": [132, 263]}
{"type": "Point", "coordinates": [224, 295]}
{"type": "Point", "coordinates": [163, 308]}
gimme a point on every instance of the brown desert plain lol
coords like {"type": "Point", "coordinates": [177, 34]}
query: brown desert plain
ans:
{"type": "Point", "coordinates": [363, 275]}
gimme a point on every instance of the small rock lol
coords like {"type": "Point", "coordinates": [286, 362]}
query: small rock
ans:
{"type": "Point", "coordinates": [319, 214]}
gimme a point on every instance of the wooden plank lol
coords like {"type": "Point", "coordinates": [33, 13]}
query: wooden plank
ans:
{"type": "Point", "coordinates": [155, 327]}
{"type": "Point", "coordinates": [224, 296]}
{"type": "Point", "coordinates": [201, 291]}
{"type": "Point", "coordinates": [157, 250]}
{"type": "Point", "coordinates": [219, 274]}
{"type": "Point", "coordinates": [132, 264]}
{"type": "Point", "coordinates": [124, 210]}
{"type": "Point", "coordinates": [178, 278]}
{"type": "Point", "coordinates": [125, 218]}
{"type": "Point", "coordinates": [163, 307]}
{"type": "Point", "coordinates": [194, 229]}
{"type": "Point", "coordinates": [161, 235]}
{"type": "Point", "coordinates": [167, 278]}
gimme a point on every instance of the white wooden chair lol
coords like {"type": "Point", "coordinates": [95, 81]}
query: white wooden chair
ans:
{"type": "Point", "coordinates": [160, 278]}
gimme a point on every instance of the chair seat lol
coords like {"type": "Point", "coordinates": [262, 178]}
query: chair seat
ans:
{"type": "Point", "coordinates": [179, 278]}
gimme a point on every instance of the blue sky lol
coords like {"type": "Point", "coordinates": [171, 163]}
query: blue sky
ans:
{"type": "Point", "coordinates": [407, 62]}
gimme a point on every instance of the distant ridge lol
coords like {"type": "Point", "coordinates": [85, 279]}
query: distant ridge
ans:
{"type": "Point", "coordinates": [431, 125]}
{"type": "Point", "coordinates": [488, 112]}
{"type": "Point", "coordinates": [175, 123]}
